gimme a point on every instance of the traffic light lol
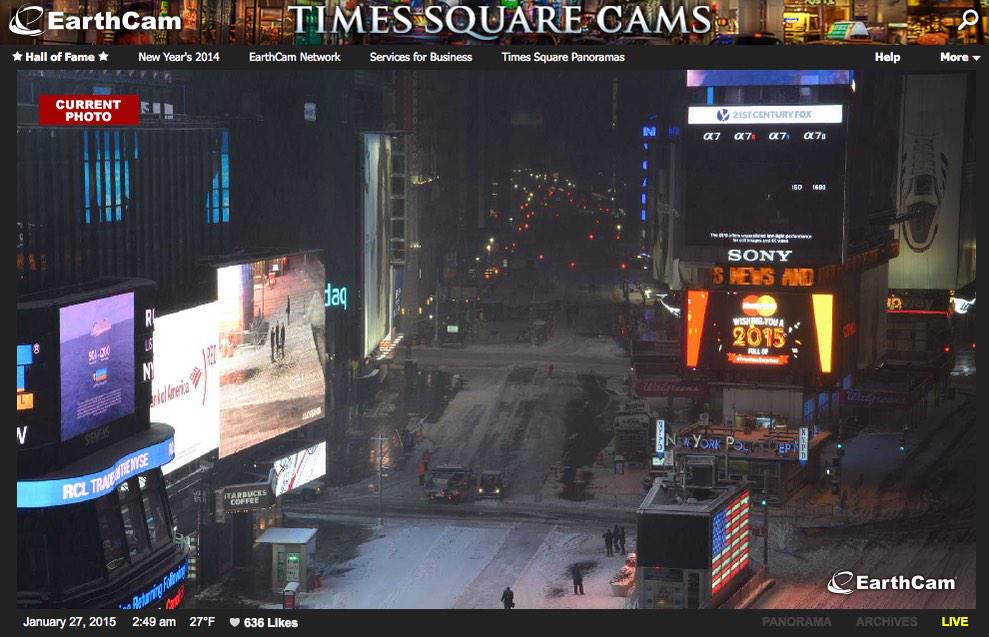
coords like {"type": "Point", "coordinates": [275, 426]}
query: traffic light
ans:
{"type": "Point", "coordinates": [762, 500]}
{"type": "Point", "coordinates": [841, 448]}
{"type": "Point", "coordinates": [836, 463]}
{"type": "Point", "coordinates": [902, 445]}
{"type": "Point", "coordinates": [835, 488]}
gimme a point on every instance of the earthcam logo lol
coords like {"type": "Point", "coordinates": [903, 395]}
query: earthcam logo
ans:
{"type": "Point", "coordinates": [32, 21]}
{"type": "Point", "coordinates": [846, 583]}
{"type": "Point", "coordinates": [26, 21]}
{"type": "Point", "coordinates": [845, 577]}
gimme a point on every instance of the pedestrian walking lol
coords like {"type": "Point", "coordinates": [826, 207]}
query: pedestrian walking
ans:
{"type": "Point", "coordinates": [272, 338]}
{"type": "Point", "coordinates": [621, 539]}
{"type": "Point", "coordinates": [508, 598]}
{"type": "Point", "coordinates": [421, 472]}
{"type": "Point", "coordinates": [426, 457]}
{"type": "Point", "coordinates": [608, 542]}
{"type": "Point", "coordinates": [578, 581]}
{"type": "Point", "coordinates": [288, 309]}
{"type": "Point", "coordinates": [281, 339]}
{"type": "Point", "coordinates": [616, 533]}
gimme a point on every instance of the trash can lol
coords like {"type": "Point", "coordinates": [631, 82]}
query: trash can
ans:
{"type": "Point", "coordinates": [288, 595]}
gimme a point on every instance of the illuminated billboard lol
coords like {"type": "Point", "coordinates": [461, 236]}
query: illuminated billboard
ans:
{"type": "Point", "coordinates": [272, 352]}
{"type": "Point", "coordinates": [753, 330]}
{"type": "Point", "coordinates": [378, 279]}
{"type": "Point", "coordinates": [299, 468]}
{"type": "Point", "coordinates": [729, 541]}
{"type": "Point", "coordinates": [765, 184]}
{"type": "Point", "coordinates": [185, 392]}
{"type": "Point", "coordinates": [767, 77]}
{"type": "Point", "coordinates": [929, 186]}
{"type": "Point", "coordinates": [96, 372]}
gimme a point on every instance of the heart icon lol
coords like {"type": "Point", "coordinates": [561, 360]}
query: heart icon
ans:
{"type": "Point", "coordinates": [235, 621]}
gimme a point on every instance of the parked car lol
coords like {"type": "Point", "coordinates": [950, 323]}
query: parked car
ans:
{"type": "Point", "coordinates": [450, 483]}
{"type": "Point", "coordinates": [491, 485]}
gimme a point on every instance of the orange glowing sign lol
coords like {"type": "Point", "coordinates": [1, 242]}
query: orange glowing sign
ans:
{"type": "Point", "coordinates": [784, 330]}
{"type": "Point", "coordinates": [696, 309]}
{"type": "Point", "coordinates": [824, 324]}
{"type": "Point", "coordinates": [762, 276]}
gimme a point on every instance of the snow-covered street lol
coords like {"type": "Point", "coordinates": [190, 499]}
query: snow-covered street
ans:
{"type": "Point", "coordinates": [438, 564]}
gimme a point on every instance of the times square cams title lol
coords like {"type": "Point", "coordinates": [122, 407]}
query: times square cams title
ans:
{"type": "Point", "coordinates": [488, 23]}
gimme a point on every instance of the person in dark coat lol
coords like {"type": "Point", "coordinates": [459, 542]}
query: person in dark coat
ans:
{"type": "Point", "coordinates": [578, 581]}
{"type": "Point", "coordinates": [281, 339]}
{"type": "Point", "coordinates": [272, 338]}
{"type": "Point", "coordinates": [621, 539]}
{"type": "Point", "coordinates": [288, 310]}
{"type": "Point", "coordinates": [609, 538]}
{"type": "Point", "coordinates": [508, 598]}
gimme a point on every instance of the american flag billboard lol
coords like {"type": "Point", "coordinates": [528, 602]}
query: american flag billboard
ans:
{"type": "Point", "coordinates": [729, 541]}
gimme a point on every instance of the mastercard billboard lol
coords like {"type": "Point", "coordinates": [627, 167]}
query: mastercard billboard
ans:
{"type": "Point", "coordinates": [789, 331]}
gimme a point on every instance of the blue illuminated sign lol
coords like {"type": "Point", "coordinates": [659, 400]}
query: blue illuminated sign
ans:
{"type": "Point", "coordinates": [660, 443]}
{"type": "Point", "coordinates": [25, 355]}
{"type": "Point", "coordinates": [336, 297]}
{"type": "Point", "coordinates": [34, 494]}
{"type": "Point", "coordinates": [156, 592]}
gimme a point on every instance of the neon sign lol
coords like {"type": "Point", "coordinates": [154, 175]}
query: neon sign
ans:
{"type": "Point", "coordinates": [33, 494]}
{"type": "Point", "coordinates": [660, 443]}
{"type": "Point", "coordinates": [729, 541]}
{"type": "Point", "coordinates": [336, 297]}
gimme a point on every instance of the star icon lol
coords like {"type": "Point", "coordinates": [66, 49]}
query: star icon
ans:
{"type": "Point", "coordinates": [17, 56]}
{"type": "Point", "coordinates": [104, 56]}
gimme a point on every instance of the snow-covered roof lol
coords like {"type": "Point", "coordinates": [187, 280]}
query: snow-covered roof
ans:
{"type": "Point", "coordinates": [280, 535]}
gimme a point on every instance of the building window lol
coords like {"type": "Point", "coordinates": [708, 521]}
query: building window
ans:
{"type": "Point", "coordinates": [77, 544]}
{"type": "Point", "coordinates": [111, 533]}
{"type": "Point", "coordinates": [152, 493]}
{"type": "Point", "coordinates": [218, 197]}
{"type": "Point", "coordinates": [135, 525]}
{"type": "Point", "coordinates": [106, 174]}
{"type": "Point", "coordinates": [34, 559]}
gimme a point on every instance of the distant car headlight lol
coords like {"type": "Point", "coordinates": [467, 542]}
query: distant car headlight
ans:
{"type": "Point", "coordinates": [497, 490]}
{"type": "Point", "coordinates": [480, 490]}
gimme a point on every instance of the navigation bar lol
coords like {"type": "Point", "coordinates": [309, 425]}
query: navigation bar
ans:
{"type": "Point", "coordinates": [493, 57]}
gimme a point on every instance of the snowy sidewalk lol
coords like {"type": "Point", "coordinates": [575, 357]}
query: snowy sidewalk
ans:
{"type": "Point", "coordinates": [435, 564]}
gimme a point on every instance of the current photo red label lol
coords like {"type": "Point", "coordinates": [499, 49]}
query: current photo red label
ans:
{"type": "Point", "coordinates": [88, 110]}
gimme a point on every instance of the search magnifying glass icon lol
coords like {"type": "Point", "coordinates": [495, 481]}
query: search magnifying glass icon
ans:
{"type": "Point", "coordinates": [970, 18]}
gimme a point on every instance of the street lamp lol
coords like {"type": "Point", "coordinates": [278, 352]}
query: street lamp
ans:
{"type": "Point", "coordinates": [381, 442]}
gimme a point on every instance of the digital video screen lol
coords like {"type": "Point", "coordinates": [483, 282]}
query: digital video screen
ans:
{"type": "Point", "coordinates": [765, 183]}
{"type": "Point", "coordinates": [96, 349]}
{"type": "Point", "coordinates": [760, 330]}
{"type": "Point", "coordinates": [299, 469]}
{"type": "Point", "coordinates": [185, 392]}
{"type": "Point", "coordinates": [271, 348]}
